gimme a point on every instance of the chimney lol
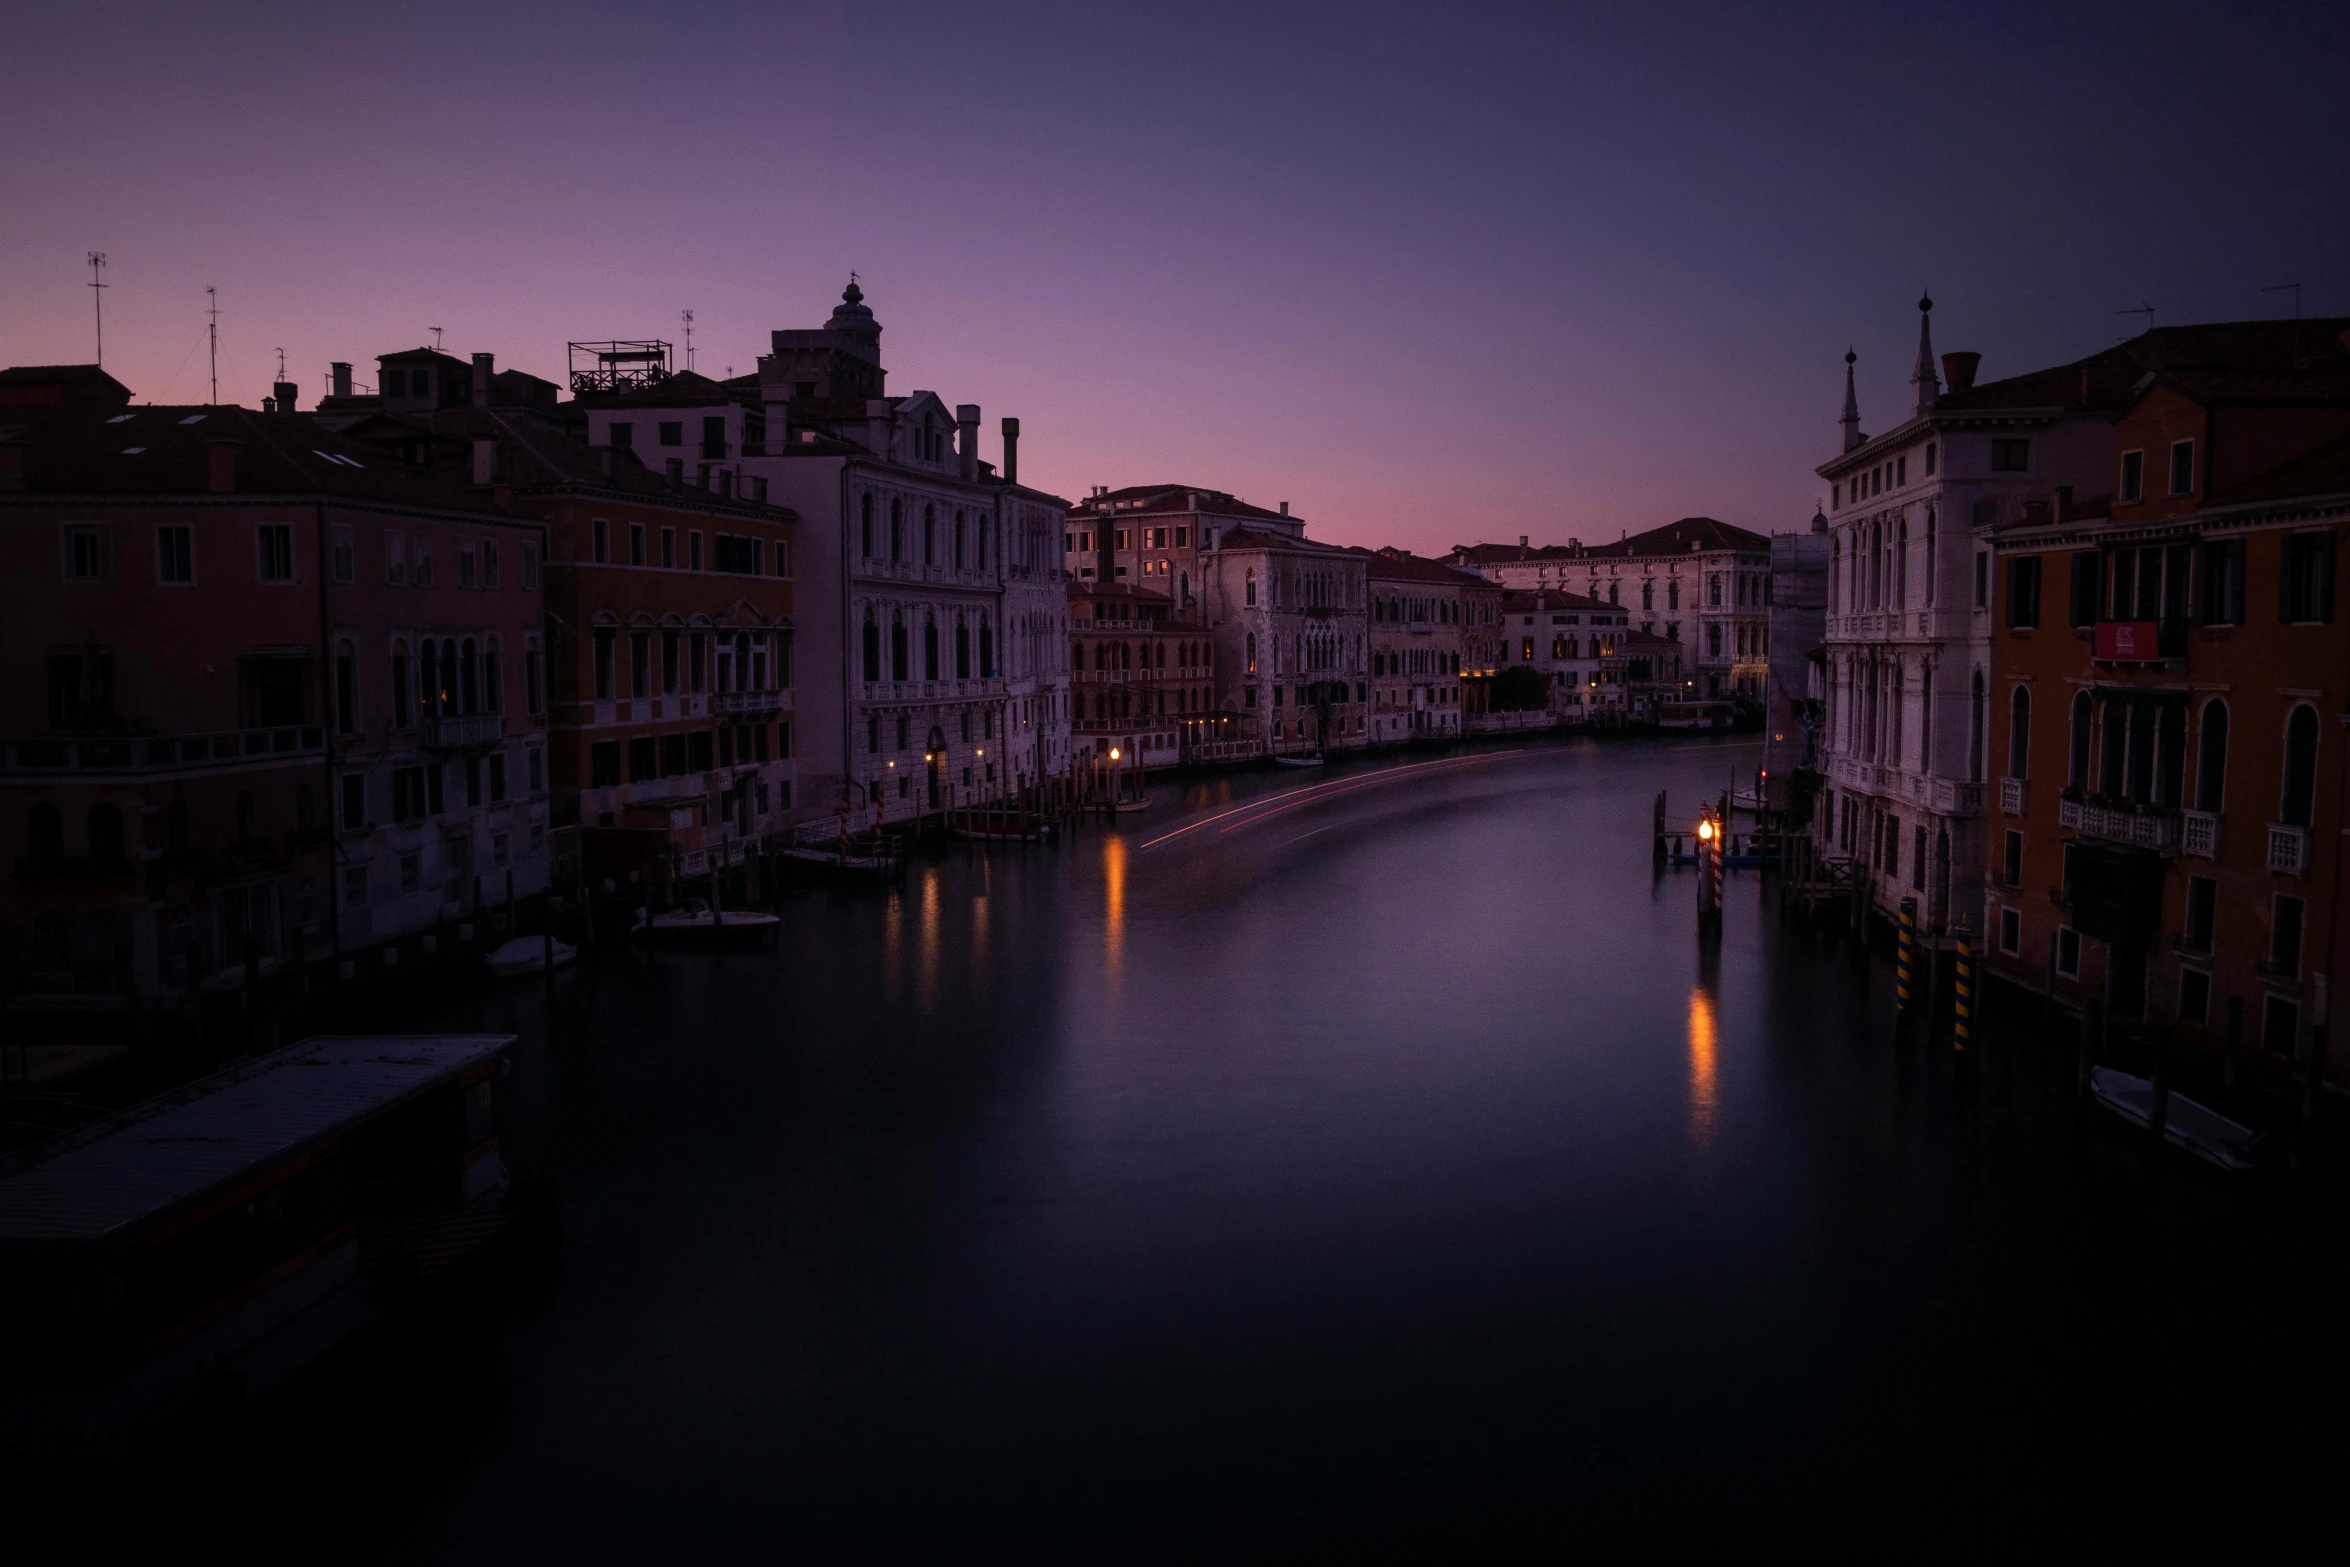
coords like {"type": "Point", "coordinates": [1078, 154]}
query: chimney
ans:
{"type": "Point", "coordinates": [222, 456]}
{"type": "Point", "coordinates": [11, 468]}
{"type": "Point", "coordinates": [1958, 370]}
{"type": "Point", "coordinates": [485, 460]}
{"type": "Point", "coordinates": [341, 369]}
{"type": "Point", "coordinates": [1285, 508]}
{"type": "Point", "coordinates": [967, 427]}
{"type": "Point", "coordinates": [484, 366]}
{"type": "Point", "coordinates": [604, 460]}
{"type": "Point", "coordinates": [2064, 502]}
{"type": "Point", "coordinates": [1524, 539]}
{"type": "Point", "coordinates": [287, 395]}
{"type": "Point", "coordinates": [878, 417]}
{"type": "Point", "coordinates": [1011, 451]}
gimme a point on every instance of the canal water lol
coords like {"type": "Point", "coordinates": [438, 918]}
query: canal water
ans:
{"type": "Point", "coordinates": [1371, 1162]}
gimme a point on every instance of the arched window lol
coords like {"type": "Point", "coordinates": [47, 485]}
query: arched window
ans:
{"type": "Point", "coordinates": [986, 649]}
{"type": "Point", "coordinates": [2170, 754]}
{"type": "Point", "coordinates": [448, 702]}
{"type": "Point", "coordinates": [2300, 797]}
{"type": "Point", "coordinates": [401, 710]}
{"type": "Point", "coordinates": [1252, 652]}
{"type": "Point", "coordinates": [1901, 565]}
{"type": "Point", "coordinates": [1713, 590]}
{"type": "Point", "coordinates": [490, 684]}
{"type": "Point", "coordinates": [865, 526]}
{"type": "Point", "coordinates": [2019, 733]}
{"type": "Point", "coordinates": [872, 648]}
{"type": "Point", "coordinates": [1673, 594]}
{"type": "Point", "coordinates": [469, 679]}
{"type": "Point", "coordinates": [962, 651]}
{"type": "Point", "coordinates": [1929, 557]}
{"type": "Point", "coordinates": [2211, 756]}
{"type": "Point", "coordinates": [929, 648]}
{"type": "Point", "coordinates": [897, 530]}
{"type": "Point", "coordinates": [930, 535]}
{"type": "Point", "coordinates": [1184, 580]}
{"type": "Point", "coordinates": [1252, 586]}
{"type": "Point", "coordinates": [1876, 566]}
{"type": "Point", "coordinates": [1648, 596]}
{"type": "Point", "coordinates": [2077, 763]}
{"type": "Point", "coordinates": [897, 647]}
{"type": "Point", "coordinates": [44, 834]}
{"type": "Point", "coordinates": [1713, 639]}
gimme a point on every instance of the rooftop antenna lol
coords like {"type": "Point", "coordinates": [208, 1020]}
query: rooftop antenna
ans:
{"type": "Point", "coordinates": [281, 364]}
{"type": "Point", "coordinates": [436, 338]}
{"type": "Point", "coordinates": [212, 336]}
{"type": "Point", "coordinates": [2273, 288]}
{"type": "Point", "coordinates": [98, 302]}
{"type": "Point", "coordinates": [2146, 310]}
{"type": "Point", "coordinates": [688, 317]}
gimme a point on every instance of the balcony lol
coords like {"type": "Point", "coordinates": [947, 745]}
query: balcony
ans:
{"type": "Point", "coordinates": [2140, 641]}
{"type": "Point", "coordinates": [750, 701]}
{"type": "Point", "coordinates": [1953, 797]}
{"type": "Point", "coordinates": [2068, 815]}
{"type": "Point", "coordinates": [2288, 849]}
{"type": "Point", "coordinates": [2202, 833]}
{"type": "Point", "coordinates": [121, 754]}
{"type": "Point", "coordinates": [2141, 827]}
{"type": "Point", "coordinates": [473, 732]}
{"type": "Point", "coordinates": [2011, 796]}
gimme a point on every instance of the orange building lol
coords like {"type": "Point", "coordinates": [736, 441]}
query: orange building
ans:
{"type": "Point", "coordinates": [2170, 685]}
{"type": "Point", "coordinates": [1142, 676]}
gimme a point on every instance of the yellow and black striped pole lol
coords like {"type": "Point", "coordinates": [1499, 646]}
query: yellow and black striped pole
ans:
{"type": "Point", "coordinates": [1905, 957]}
{"type": "Point", "coordinates": [1963, 990]}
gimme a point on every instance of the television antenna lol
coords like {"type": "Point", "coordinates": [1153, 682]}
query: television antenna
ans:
{"type": "Point", "coordinates": [436, 338]}
{"type": "Point", "coordinates": [212, 336]}
{"type": "Point", "coordinates": [2146, 310]}
{"type": "Point", "coordinates": [98, 301]}
{"type": "Point", "coordinates": [688, 317]}
{"type": "Point", "coordinates": [2278, 288]}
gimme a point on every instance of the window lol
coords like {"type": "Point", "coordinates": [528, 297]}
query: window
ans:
{"type": "Point", "coordinates": [497, 777]}
{"type": "Point", "coordinates": [175, 554]}
{"type": "Point", "coordinates": [644, 762]}
{"type": "Point", "coordinates": [672, 432]}
{"type": "Point", "coordinates": [2133, 480]}
{"type": "Point", "coordinates": [2182, 467]}
{"type": "Point", "coordinates": [355, 886]}
{"type": "Point", "coordinates": [2019, 733]}
{"type": "Point", "coordinates": [622, 434]}
{"type": "Point", "coordinates": [533, 673]}
{"type": "Point", "coordinates": [602, 639]}
{"type": "Point", "coordinates": [713, 435]}
{"type": "Point", "coordinates": [346, 689]}
{"type": "Point", "coordinates": [733, 553]}
{"type": "Point", "coordinates": [2211, 757]}
{"type": "Point", "coordinates": [2194, 996]}
{"type": "Point", "coordinates": [640, 663]}
{"type": "Point", "coordinates": [2011, 454]}
{"type": "Point", "coordinates": [603, 764]}
{"type": "Point", "coordinates": [2088, 577]}
{"type": "Point", "coordinates": [1982, 580]}
{"type": "Point", "coordinates": [274, 551]}
{"type": "Point", "coordinates": [2221, 599]}
{"type": "Point", "coordinates": [2300, 791]}
{"type": "Point", "coordinates": [1251, 585]}
{"type": "Point", "coordinates": [2202, 901]}
{"type": "Point", "coordinates": [2068, 952]}
{"type": "Point", "coordinates": [2306, 584]}
{"type": "Point", "coordinates": [601, 548]}
{"type": "Point", "coordinates": [2284, 938]}
{"type": "Point", "coordinates": [354, 787]}
{"type": "Point", "coordinates": [2023, 591]}
{"type": "Point", "coordinates": [2280, 1026]}
{"type": "Point", "coordinates": [423, 554]}
{"type": "Point", "coordinates": [538, 769]}
{"type": "Point", "coordinates": [865, 527]}
{"type": "Point", "coordinates": [2077, 764]}
{"type": "Point", "coordinates": [346, 557]}
{"type": "Point", "coordinates": [1929, 459]}
{"type": "Point", "coordinates": [2011, 861]}
{"type": "Point", "coordinates": [636, 544]}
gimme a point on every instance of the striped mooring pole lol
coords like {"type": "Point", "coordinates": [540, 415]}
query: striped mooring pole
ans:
{"type": "Point", "coordinates": [1905, 958]}
{"type": "Point", "coordinates": [1963, 990]}
{"type": "Point", "coordinates": [1709, 870]}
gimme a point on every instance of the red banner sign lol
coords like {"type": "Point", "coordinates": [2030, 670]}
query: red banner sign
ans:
{"type": "Point", "coordinates": [2125, 640]}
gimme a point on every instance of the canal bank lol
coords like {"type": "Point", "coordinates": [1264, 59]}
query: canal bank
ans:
{"type": "Point", "coordinates": [1373, 1163]}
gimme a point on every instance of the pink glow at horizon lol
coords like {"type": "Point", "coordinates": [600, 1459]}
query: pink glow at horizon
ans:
{"type": "Point", "coordinates": [1432, 279]}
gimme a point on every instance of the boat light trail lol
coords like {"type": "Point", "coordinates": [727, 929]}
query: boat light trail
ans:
{"type": "Point", "coordinates": [1257, 810]}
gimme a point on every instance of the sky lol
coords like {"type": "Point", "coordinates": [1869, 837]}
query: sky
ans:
{"type": "Point", "coordinates": [1432, 274]}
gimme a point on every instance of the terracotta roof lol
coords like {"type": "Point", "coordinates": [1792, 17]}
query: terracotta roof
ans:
{"type": "Point", "coordinates": [1250, 538]}
{"type": "Point", "coordinates": [166, 451]}
{"type": "Point", "coordinates": [685, 389]}
{"type": "Point", "coordinates": [2266, 353]}
{"type": "Point", "coordinates": [1393, 565]}
{"type": "Point", "coordinates": [1689, 536]}
{"type": "Point", "coordinates": [1177, 497]}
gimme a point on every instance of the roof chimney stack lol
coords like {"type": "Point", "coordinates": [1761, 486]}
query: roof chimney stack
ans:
{"type": "Point", "coordinates": [222, 458]}
{"type": "Point", "coordinates": [967, 427]}
{"type": "Point", "coordinates": [484, 366]}
{"type": "Point", "coordinates": [288, 394]}
{"type": "Point", "coordinates": [341, 371]}
{"type": "Point", "coordinates": [2064, 502]}
{"type": "Point", "coordinates": [1285, 508]}
{"type": "Point", "coordinates": [1011, 451]}
{"type": "Point", "coordinates": [485, 460]}
{"type": "Point", "coordinates": [1958, 371]}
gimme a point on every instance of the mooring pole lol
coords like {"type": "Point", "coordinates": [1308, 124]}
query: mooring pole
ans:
{"type": "Point", "coordinates": [1904, 964]}
{"type": "Point", "coordinates": [1962, 987]}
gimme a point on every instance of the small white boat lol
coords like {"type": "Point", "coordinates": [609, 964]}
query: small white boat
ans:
{"type": "Point", "coordinates": [1314, 760]}
{"type": "Point", "coordinates": [528, 955]}
{"type": "Point", "coordinates": [1138, 803]}
{"type": "Point", "coordinates": [698, 921]}
{"type": "Point", "coordinates": [2196, 1128]}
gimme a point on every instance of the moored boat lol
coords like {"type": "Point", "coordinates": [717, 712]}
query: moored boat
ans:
{"type": "Point", "coordinates": [699, 922]}
{"type": "Point", "coordinates": [529, 955]}
{"type": "Point", "coordinates": [1314, 760]}
{"type": "Point", "coordinates": [2186, 1124]}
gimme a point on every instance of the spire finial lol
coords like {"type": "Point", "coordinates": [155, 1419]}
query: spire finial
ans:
{"type": "Point", "coordinates": [1925, 389]}
{"type": "Point", "coordinates": [1851, 418]}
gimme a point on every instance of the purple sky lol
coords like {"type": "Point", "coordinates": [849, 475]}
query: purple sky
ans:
{"type": "Point", "coordinates": [1458, 273]}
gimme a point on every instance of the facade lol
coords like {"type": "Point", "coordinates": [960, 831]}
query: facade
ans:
{"type": "Point", "coordinates": [1157, 536]}
{"type": "Point", "coordinates": [1142, 677]}
{"type": "Point", "coordinates": [1655, 673]}
{"type": "Point", "coordinates": [670, 638]}
{"type": "Point", "coordinates": [290, 704]}
{"type": "Point", "coordinates": [1290, 622]}
{"type": "Point", "coordinates": [1793, 704]}
{"type": "Point", "coordinates": [1577, 645]}
{"type": "Point", "coordinates": [2166, 672]}
{"type": "Point", "coordinates": [935, 621]}
{"type": "Point", "coordinates": [1695, 580]}
{"type": "Point", "coordinates": [1419, 631]}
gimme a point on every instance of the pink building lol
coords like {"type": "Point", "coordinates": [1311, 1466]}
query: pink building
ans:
{"type": "Point", "coordinates": [289, 698]}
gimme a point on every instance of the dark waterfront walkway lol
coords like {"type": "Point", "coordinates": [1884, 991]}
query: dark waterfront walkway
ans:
{"type": "Point", "coordinates": [1373, 1168]}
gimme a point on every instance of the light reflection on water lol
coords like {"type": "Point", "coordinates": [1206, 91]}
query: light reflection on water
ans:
{"type": "Point", "coordinates": [1701, 1064]}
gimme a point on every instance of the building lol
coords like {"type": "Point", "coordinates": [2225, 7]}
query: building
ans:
{"type": "Point", "coordinates": [1157, 536]}
{"type": "Point", "coordinates": [1142, 677]}
{"type": "Point", "coordinates": [1576, 645]}
{"type": "Point", "coordinates": [1655, 673]}
{"type": "Point", "coordinates": [2166, 673]}
{"type": "Point", "coordinates": [291, 702]}
{"type": "Point", "coordinates": [1794, 704]}
{"type": "Point", "coordinates": [1290, 622]}
{"type": "Point", "coordinates": [1420, 646]}
{"type": "Point", "coordinates": [935, 624]}
{"type": "Point", "coordinates": [669, 627]}
{"type": "Point", "coordinates": [1695, 580]}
